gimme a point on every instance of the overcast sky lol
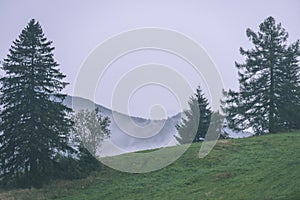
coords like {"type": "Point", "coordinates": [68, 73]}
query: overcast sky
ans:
{"type": "Point", "coordinates": [77, 27]}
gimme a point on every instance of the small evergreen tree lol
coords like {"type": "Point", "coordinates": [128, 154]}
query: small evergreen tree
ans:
{"type": "Point", "coordinates": [268, 97]}
{"type": "Point", "coordinates": [197, 118]}
{"type": "Point", "coordinates": [33, 121]}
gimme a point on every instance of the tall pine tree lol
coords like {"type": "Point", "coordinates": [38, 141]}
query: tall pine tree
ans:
{"type": "Point", "coordinates": [269, 82]}
{"type": "Point", "coordinates": [197, 118]}
{"type": "Point", "coordinates": [289, 106]}
{"type": "Point", "coordinates": [34, 122]}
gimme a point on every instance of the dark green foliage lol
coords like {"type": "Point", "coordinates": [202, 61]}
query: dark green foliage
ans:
{"type": "Point", "coordinates": [268, 97]}
{"type": "Point", "coordinates": [70, 168]}
{"type": "Point", "coordinates": [87, 162]}
{"type": "Point", "coordinates": [289, 106]}
{"type": "Point", "coordinates": [34, 122]}
{"type": "Point", "coordinates": [67, 168]}
{"type": "Point", "coordinates": [196, 120]}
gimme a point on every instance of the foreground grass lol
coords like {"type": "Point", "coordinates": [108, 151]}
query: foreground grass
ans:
{"type": "Point", "coordinates": [265, 167]}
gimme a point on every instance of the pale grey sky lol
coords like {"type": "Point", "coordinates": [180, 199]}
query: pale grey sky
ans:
{"type": "Point", "coordinates": [77, 27]}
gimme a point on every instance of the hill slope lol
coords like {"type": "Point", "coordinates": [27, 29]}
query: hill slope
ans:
{"type": "Point", "coordinates": [264, 167]}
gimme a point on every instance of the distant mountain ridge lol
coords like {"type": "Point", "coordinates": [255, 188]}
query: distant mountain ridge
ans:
{"type": "Point", "coordinates": [121, 142]}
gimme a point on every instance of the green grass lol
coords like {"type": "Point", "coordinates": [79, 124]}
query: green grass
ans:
{"type": "Point", "coordinates": [265, 167]}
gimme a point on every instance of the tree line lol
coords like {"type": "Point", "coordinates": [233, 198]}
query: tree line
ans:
{"type": "Point", "coordinates": [268, 100]}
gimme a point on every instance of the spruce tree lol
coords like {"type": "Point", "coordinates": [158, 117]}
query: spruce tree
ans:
{"type": "Point", "coordinates": [34, 122]}
{"type": "Point", "coordinates": [197, 118]}
{"type": "Point", "coordinates": [289, 106]}
{"type": "Point", "coordinates": [267, 80]}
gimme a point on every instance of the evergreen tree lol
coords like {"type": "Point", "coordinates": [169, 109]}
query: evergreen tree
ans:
{"type": "Point", "coordinates": [34, 122]}
{"type": "Point", "coordinates": [289, 106]}
{"type": "Point", "coordinates": [269, 81]}
{"type": "Point", "coordinates": [194, 125]}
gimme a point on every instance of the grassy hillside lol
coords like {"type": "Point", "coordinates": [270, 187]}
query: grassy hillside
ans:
{"type": "Point", "coordinates": [265, 167]}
